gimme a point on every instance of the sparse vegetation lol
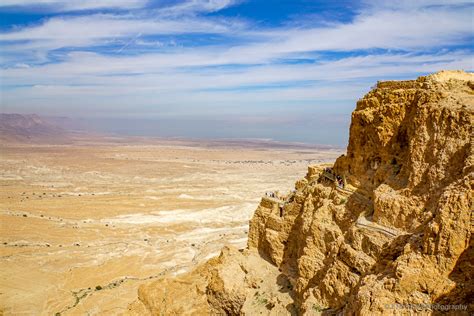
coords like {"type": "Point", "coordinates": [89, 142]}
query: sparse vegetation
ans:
{"type": "Point", "coordinates": [260, 299]}
{"type": "Point", "coordinates": [317, 308]}
{"type": "Point", "coordinates": [396, 169]}
{"type": "Point", "coordinates": [98, 288]}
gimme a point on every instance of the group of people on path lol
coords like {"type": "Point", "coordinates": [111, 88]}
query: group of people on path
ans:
{"type": "Point", "coordinates": [337, 178]}
{"type": "Point", "coordinates": [340, 181]}
{"type": "Point", "coordinates": [271, 194]}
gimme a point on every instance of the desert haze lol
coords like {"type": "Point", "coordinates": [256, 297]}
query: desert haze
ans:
{"type": "Point", "coordinates": [85, 222]}
{"type": "Point", "coordinates": [236, 157]}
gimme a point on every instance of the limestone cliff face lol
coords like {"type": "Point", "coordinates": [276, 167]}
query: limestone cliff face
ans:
{"type": "Point", "coordinates": [399, 232]}
{"type": "Point", "coordinates": [399, 228]}
{"type": "Point", "coordinates": [410, 139]}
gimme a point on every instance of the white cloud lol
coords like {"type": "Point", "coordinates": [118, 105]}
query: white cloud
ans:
{"type": "Point", "coordinates": [410, 4]}
{"type": "Point", "coordinates": [73, 5]}
{"type": "Point", "coordinates": [179, 8]}
{"type": "Point", "coordinates": [191, 78]}
{"type": "Point", "coordinates": [85, 29]}
{"type": "Point", "coordinates": [386, 29]}
{"type": "Point", "coordinates": [196, 6]}
{"type": "Point", "coordinates": [102, 30]}
{"type": "Point", "coordinates": [85, 78]}
{"type": "Point", "coordinates": [168, 66]}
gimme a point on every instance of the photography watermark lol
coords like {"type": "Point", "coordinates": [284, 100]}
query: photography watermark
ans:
{"type": "Point", "coordinates": [427, 307]}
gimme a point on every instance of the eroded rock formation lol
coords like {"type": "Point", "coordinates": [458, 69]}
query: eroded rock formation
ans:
{"type": "Point", "coordinates": [398, 232]}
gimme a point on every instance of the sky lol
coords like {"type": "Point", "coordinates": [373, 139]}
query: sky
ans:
{"type": "Point", "coordinates": [288, 70]}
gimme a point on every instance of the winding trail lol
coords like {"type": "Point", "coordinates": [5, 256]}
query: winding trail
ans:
{"type": "Point", "coordinates": [364, 223]}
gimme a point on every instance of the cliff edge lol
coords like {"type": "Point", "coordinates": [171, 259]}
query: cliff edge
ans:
{"type": "Point", "coordinates": [388, 226]}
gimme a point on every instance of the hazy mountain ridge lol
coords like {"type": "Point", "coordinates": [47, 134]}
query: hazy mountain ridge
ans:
{"type": "Point", "coordinates": [29, 127]}
{"type": "Point", "coordinates": [16, 127]}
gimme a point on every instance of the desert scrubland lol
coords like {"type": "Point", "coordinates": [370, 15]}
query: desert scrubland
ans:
{"type": "Point", "coordinates": [84, 223]}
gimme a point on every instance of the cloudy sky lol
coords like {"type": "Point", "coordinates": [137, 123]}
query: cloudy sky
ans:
{"type": "Point", "coordinates": [283, 69]}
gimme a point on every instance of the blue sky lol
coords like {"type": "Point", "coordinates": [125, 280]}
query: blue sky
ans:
{"type": "Point", "coordinates": [255, 68]}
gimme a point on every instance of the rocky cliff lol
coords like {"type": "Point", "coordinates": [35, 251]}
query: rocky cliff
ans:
{"type": "Point", "coordinates": [389, 223]}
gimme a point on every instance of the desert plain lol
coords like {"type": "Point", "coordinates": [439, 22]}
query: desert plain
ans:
{"type": "Point", "coordinates": [85, 223]}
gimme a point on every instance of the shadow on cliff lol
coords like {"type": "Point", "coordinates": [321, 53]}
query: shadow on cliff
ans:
{"type": "Point", "coordinates": [285, 286]}
{"type": "Point", "coordinates": [451, 173]}
{"type": "Point", "coordinates": [294, 245]}
{"type": "Point", "coordinates": [463, 292]}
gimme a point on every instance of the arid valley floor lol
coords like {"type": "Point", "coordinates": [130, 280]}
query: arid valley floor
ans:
{"type": "Point", "coordinates": [84, 224]}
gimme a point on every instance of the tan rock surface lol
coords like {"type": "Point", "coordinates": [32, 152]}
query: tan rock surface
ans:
{"type": "Point", "coordinates": [232, 283]}
{"type": "Point", "coordinates": [400, 230]}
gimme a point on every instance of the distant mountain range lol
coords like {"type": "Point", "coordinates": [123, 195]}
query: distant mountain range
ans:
{"type": "Point", "coordinates": [33, 128]}
{"type": "Point", "coordinates": [30, 128]}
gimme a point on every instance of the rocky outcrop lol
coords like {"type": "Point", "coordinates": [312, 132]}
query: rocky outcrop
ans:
{"type": "Point", "coordinates": [398, 232]}
{"type": "Point", "coordinates": [236, 282]}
